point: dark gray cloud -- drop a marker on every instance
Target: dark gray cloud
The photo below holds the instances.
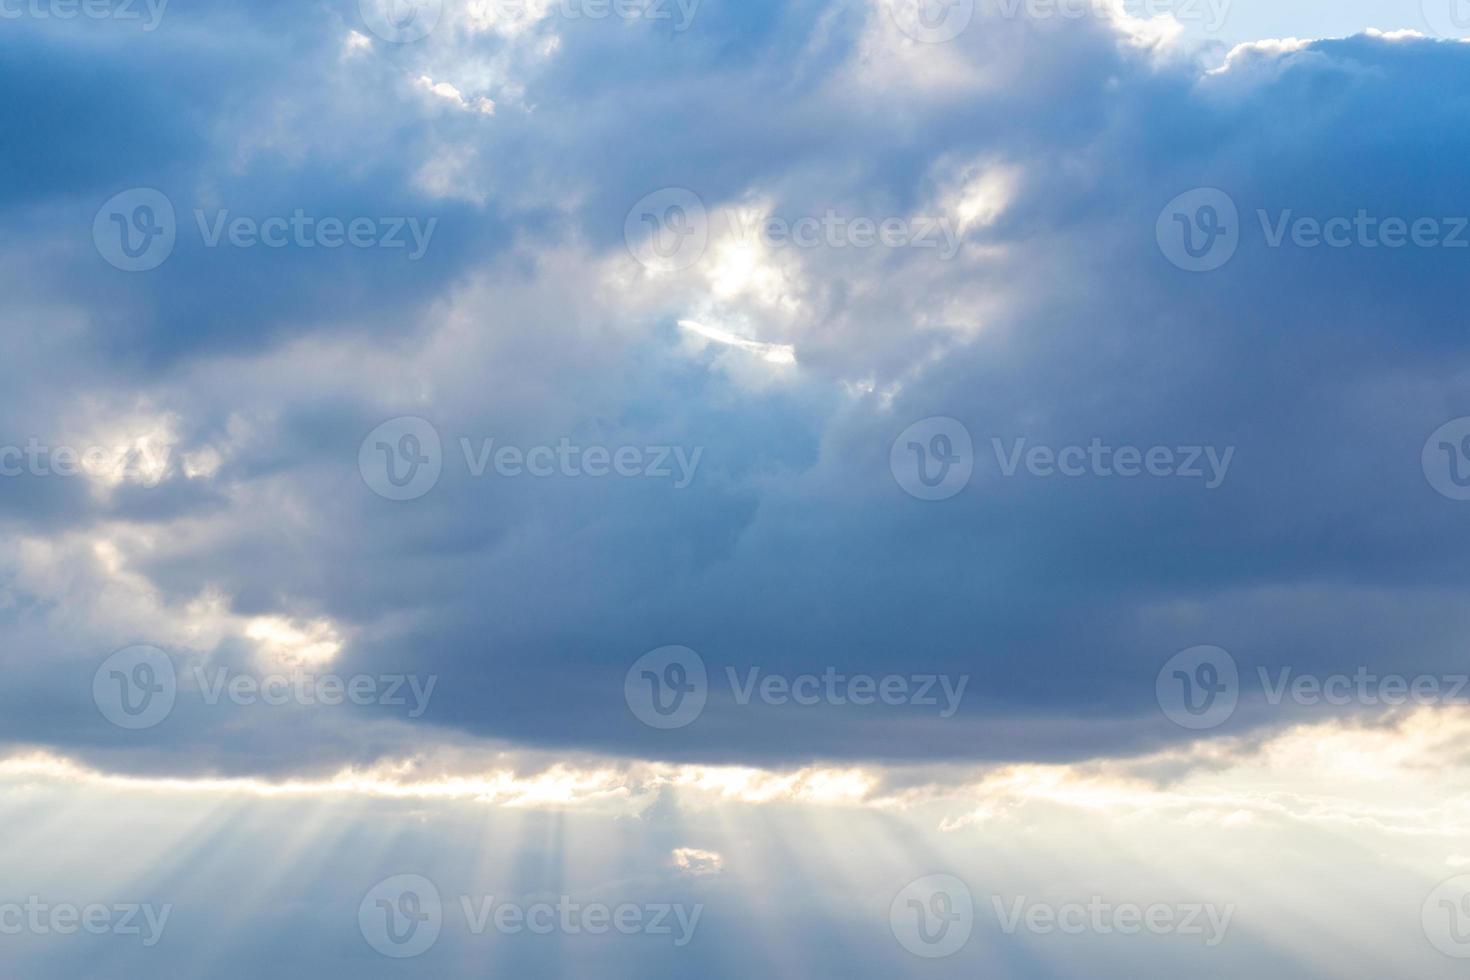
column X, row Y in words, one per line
column 794, row 549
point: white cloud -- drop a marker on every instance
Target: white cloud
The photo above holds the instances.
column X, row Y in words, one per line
column 698, row 863
column 285, row 643
column 452, row 95
column 772, row 353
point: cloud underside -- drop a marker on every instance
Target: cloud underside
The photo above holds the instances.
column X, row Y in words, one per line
column 1404, row 775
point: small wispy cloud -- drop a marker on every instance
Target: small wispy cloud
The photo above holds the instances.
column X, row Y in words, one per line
column 697, row 863
column 774, row 353
column 452, row 95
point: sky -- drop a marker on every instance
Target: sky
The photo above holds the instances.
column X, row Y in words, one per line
column 684, row 487
column 1241, row 21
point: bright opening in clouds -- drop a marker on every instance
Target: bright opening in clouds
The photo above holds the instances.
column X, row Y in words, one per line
column 627, row 488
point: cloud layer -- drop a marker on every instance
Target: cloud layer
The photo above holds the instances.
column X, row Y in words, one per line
column 886, row 231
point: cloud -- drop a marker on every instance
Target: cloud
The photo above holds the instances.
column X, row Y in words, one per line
column 774, row 353
column 697, row 863
column 1049, row 148
column 452, row 95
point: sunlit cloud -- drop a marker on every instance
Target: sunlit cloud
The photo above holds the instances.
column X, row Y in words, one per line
column 1406, row 776
column 285, row 643
column 773, row 353
column 452, row 95
column 698, row 863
